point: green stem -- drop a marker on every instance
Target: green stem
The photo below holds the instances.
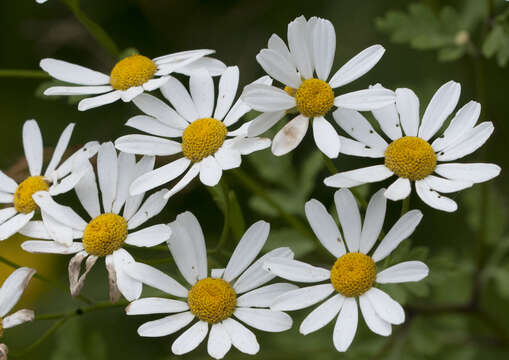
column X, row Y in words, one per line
column 93, row 28
column 226, row 225
column 20, row 73
column 405, row 205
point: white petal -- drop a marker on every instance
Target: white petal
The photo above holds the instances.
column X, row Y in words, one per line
column 434, row 199
column 356, row 148
column 177, row 94
column 322, row 315
column 35, row 229
column 14, row 224
column 62, row 144
column 403, row 272
column 126, row 172
column 13, row 288
column 107, row 170
column 375, row 323
column 100, row 100
column 7, row 184
column 190, row 339
column 155, row 306
column 6, row 198
column 264, row 122
column 264, row 98
column 32, row 144
column 85, row 152
column 365, row 100
column 155, row 278
column 133, row 203
column 445, row 185
column 159, row 176
column 18, row 318
column 219, row 342
column 249, row 145
column 476, row 172
column 152, row 106
column 131, row 93
column 294, row 270
column 201, row 86
column 388, row 309
column 228, row 158
column 326, row 137
column 388, row 119
column 154, row 204
column 64, row 71
column 442, row 104
column 77, row 90
column 356, row 125
column 147, row 145
column 299, row 46
column 398, row 190
column 403, row 228
column 277, row 44
column 357, row 66
column 264, row 296
column 153, row 84
column 151, row 236
column 256, row 275
column 77, row 281
column 213, row 66
column 182, row 56
column 50, row 247
column 264, row 319
column 349, row 217
column 324, row 47
column 346, row 325
column 247, row 249
column 7, row 213
column 210, row 171
column 62, row 234
column 358, row 177
column 407, row 104
column 129, row 287
column 302, row 298
column 194, row 170
column 290, row 136
column 475, row 138
column 242, row 338
column 87, row 192
column 165, row 326
column 373, row 221
column 277, row 66
column 324, row 227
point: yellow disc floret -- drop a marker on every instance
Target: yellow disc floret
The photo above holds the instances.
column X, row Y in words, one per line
column 132, row 71
column 23, row 201
column 353, row 274
column 410, row 157
column 212, row 300
column 202, row 138
column 105, row 234
column 314, row 98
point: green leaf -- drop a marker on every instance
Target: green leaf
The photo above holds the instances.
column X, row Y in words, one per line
column 291, row 238
column 497, row 44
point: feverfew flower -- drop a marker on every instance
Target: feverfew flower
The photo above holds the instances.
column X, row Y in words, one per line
column 411, row 155
column 57, row 179
column 205, row 145
column 213, row 300
column 130, row 76
column 10, row 293
column 108, row 230
column 312, row 45
column 354, row 274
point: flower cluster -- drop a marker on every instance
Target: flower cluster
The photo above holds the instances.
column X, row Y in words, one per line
column 115, row 182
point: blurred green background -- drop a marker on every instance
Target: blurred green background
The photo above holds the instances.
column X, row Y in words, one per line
column 458, row 312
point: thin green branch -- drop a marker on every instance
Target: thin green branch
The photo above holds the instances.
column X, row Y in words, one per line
column 226, row 225
column 405, row 205
column 20, row 73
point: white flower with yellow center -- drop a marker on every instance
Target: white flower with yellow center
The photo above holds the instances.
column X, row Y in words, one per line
column 213, row 300
column 205, row 145
column 353, row 276
column 57, row 179
column 105, row 234
column 10, row 292
column 312, row 45
column 411, row 155
column 129, row 78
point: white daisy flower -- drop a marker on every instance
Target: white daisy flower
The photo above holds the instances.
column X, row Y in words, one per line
column 130, row 77
column 57, row 179
column 10, row 293
column 213, row 300
column 411, row 155
column 205, row 145
column 354, row 274
column 108, row 230
column 312, row 45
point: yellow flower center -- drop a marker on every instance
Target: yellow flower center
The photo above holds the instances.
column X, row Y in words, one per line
column 410, row 157
column 314, row 97
column 353, row 274
column 23, row 201
column 212, row 300
column 104, row 234
column 132, row 71
column 202, row 138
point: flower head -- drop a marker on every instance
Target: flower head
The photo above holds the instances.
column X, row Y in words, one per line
column 411, row 154
column 354, row 274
